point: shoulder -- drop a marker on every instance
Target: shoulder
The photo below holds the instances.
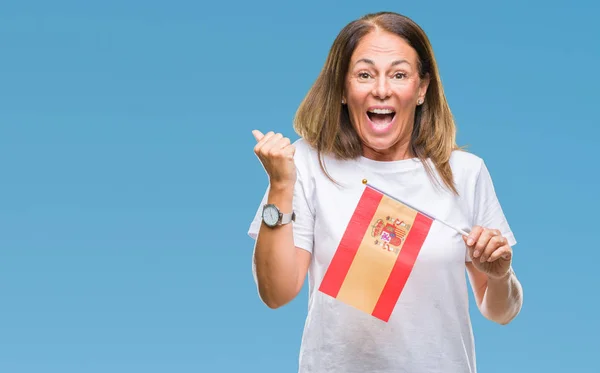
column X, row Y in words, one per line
column 303, row 148
column 322, row 168
column 464, row 163
column 305, row 154
column 467, row 169
column 471, row 174
column 306, row 158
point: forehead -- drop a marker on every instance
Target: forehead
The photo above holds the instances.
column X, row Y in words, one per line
column 384, row 47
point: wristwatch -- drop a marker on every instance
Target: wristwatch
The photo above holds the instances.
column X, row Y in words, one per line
column 273, row 217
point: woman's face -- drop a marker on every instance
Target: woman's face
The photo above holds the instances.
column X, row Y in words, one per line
column 382, row 91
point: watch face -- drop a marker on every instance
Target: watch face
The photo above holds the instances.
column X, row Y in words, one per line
column 270, row 215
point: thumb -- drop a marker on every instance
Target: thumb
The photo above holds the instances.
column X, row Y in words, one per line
column 257, row 135
column 469, row 248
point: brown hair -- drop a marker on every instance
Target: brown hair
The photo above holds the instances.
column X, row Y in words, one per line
column 324, row 122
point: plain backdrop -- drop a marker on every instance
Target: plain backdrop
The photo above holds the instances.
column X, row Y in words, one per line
column 128, row 181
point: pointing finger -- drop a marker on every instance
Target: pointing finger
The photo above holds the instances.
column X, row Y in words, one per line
column 257, row 135
column 263, row 140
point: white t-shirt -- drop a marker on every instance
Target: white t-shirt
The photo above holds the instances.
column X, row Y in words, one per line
column 429, row 329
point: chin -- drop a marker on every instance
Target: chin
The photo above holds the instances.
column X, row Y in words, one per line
column 382, row 147
column 387, row 147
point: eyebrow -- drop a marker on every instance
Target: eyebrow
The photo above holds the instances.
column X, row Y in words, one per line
column 370, row 62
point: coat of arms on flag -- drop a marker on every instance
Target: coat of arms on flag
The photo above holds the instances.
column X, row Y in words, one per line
column 376, row 254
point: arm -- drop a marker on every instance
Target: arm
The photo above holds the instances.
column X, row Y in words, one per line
column 498, row 299
column 280, row 267
column 497, row 290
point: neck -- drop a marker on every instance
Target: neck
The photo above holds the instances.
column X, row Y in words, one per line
column 397, row 152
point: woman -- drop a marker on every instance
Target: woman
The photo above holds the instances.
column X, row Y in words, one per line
column 378, row 112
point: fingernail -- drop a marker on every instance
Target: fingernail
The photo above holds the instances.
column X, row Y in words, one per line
column 489, row 259
column 482, row 260
column 476, row 254
column 470, row 241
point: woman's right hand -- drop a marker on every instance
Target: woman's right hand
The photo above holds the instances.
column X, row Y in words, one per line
column 276, row 153
column 280, row 268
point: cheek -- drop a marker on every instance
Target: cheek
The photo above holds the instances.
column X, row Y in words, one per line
column 358, row 95
column 356, row 103
column 407, row 92
column 356, row 115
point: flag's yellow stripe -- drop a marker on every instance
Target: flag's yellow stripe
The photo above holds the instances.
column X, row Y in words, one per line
column 372, row 264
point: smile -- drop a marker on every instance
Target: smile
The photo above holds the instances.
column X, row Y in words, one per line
column 381, row 118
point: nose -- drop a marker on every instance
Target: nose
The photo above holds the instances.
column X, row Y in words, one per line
column 381, row 89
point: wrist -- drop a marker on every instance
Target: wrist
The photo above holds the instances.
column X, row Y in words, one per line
column 282, row 187
column 281, row 195
column 502, row 278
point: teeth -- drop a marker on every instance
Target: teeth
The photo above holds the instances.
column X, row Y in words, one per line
column 381, row 111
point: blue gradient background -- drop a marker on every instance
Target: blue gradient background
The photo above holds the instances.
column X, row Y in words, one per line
column 128, row 179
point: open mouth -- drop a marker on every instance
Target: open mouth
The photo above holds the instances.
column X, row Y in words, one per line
column 381, row 118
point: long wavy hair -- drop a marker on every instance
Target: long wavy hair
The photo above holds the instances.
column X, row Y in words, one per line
column 324, row 122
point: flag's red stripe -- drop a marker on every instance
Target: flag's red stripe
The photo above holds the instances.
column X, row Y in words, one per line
column 350, row 242
column 402, row 268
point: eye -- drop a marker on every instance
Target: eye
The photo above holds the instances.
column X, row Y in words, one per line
column 364, row 75
column 399, row 76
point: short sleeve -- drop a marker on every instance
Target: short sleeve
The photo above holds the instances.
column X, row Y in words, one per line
column 487, row 211
column 303, row 227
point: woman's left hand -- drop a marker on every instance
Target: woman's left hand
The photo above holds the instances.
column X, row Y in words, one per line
column 489, row 251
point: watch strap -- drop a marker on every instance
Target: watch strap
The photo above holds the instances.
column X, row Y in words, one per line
column 287, row 218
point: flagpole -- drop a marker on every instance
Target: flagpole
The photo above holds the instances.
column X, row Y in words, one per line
column 461, row 231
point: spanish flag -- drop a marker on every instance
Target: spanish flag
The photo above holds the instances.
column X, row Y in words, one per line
column 376, row 253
